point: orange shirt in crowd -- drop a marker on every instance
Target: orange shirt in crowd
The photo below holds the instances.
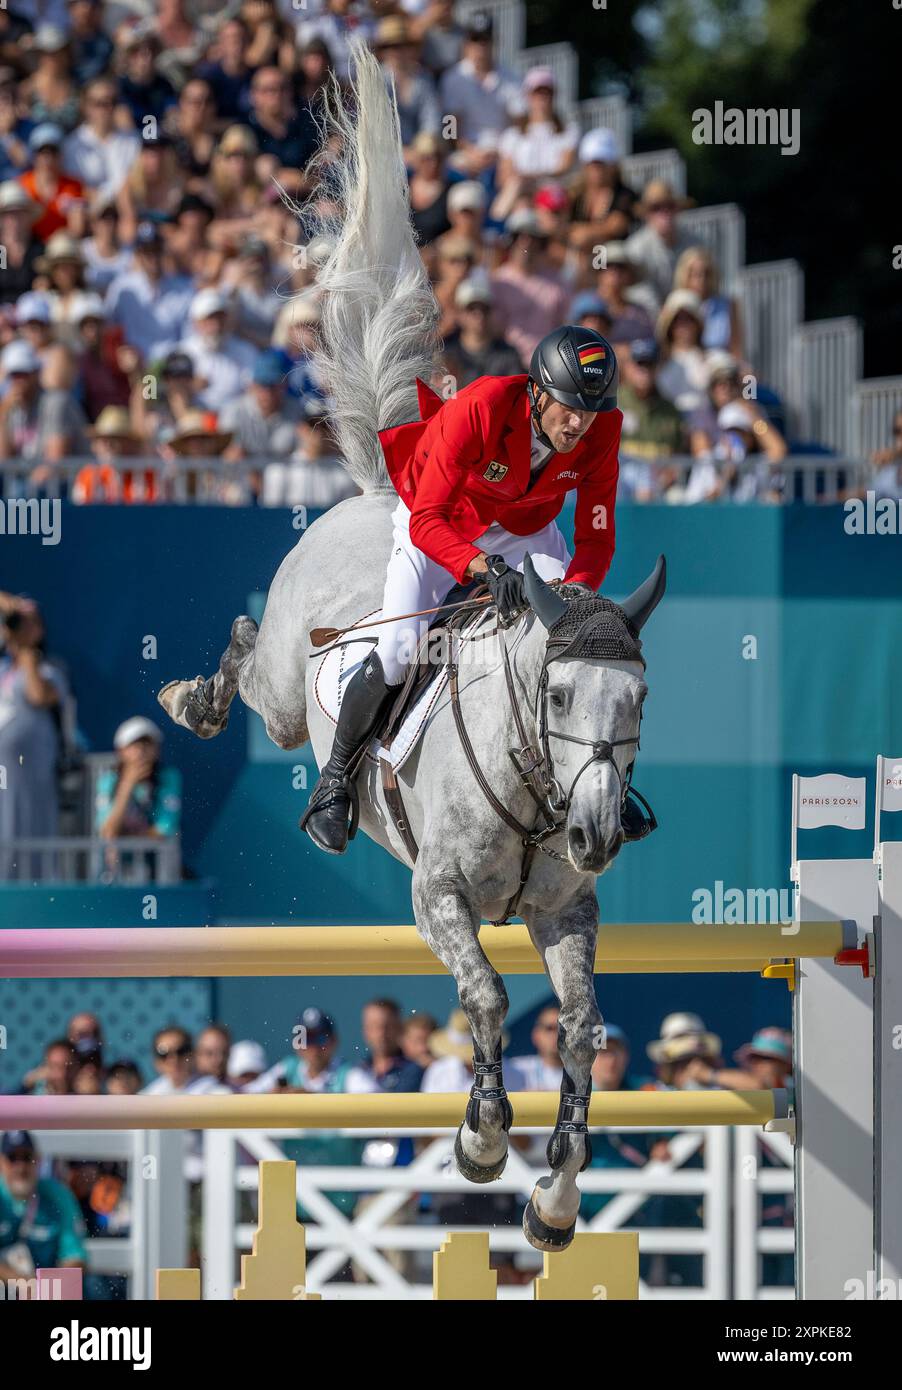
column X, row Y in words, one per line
column 99, row 482
column 52, row 219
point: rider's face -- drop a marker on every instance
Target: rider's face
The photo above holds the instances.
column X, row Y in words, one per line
column 564, row 426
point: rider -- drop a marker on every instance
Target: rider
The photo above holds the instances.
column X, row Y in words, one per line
column 481, row 478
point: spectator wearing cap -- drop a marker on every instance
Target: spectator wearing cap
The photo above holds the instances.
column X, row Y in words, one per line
column 653, row 430
column 339, row 21
column 529, row 297
column 474, row 349
column 538, row 144
column 313, row 477
column 34, row 321
column 765, row 1062
column 696, row 270
column 143, row 90
column 481, row 97
column 176, row 396
column 413, row 86
column 188, row 126
column 223, row 361
column 295, row 334
column 50, row 93
column 98, row 153
column 154, row 187
column 105, row 256
column 139, row 796
column 114, row 440
column 603, row 205
column 683, row 375
column 253, row 289
column 551, row 206
column 466, row 205
column 247, row 1062
column 616, row 277
column 590, row 311
column 228, row 72
column 428, row 187
column 40, row 1223
column 40, row 427
column 441, row 37
column 284, row 132
column 263, row 420
column 724, row 385
column 14, row 128
column 33, row 693
column 18, row 214
column 744, row 463
column 314, row 1064
column 91, row 46
column 657, row 246
column 150, row 305
column 456, row 260
column 59, row 197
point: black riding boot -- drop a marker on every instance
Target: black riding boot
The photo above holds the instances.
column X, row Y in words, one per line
column 334, row 798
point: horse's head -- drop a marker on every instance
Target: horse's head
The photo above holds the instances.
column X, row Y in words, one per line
column 589, row 706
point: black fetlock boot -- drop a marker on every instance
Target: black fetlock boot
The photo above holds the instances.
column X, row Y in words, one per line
column 331, row 815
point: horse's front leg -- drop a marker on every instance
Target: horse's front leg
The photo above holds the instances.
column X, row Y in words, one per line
column 449, row 924
column 566, row 943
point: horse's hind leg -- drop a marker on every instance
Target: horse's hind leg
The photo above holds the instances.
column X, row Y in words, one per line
column 203, row 705
column 566, row 941
column 449, row 924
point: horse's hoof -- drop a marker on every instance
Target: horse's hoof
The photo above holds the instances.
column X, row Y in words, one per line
column 540, row 1235
column 187, row 705
column 477, row 1172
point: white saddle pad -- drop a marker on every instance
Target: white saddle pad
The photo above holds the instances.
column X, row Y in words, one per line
column 338, row 665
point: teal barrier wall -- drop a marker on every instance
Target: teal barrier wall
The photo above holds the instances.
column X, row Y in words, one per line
column 776, row 650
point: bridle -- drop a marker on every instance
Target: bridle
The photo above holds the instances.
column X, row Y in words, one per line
column 557, row 800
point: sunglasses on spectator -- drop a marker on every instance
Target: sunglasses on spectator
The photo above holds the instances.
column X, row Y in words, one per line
column 21, row 1156
column 662, row 207
column 165, row 1052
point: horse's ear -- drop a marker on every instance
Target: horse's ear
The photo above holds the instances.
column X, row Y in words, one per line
column 544, row 602
column 641, row 604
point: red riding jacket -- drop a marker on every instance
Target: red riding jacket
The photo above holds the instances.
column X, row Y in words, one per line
column 465, row 464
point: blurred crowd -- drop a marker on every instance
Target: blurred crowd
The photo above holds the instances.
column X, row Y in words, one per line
column 394, row 1054
column 151, row 157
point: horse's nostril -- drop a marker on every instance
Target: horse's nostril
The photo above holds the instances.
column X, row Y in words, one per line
column 579, row 842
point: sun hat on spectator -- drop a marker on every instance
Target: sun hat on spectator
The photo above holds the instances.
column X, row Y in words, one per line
column 45, row 136
column 658, row 193
column 599, row 146
column 60, row 249
column 88, row 306
column 13, row 198
column 644, row 352
column 736, row 416
column 134, row 728
column 238, row 137
column 551, row 198
column 538, row 78
column 245, row 1057
column 208, row 302
column 48, row 38
column 19, row 359
column 33, row 307
column 473, row 290
column 523, row 222
column 269, row 369
column 466, row 196
column 113, row 422
column 588, row 303
column 195, row 424
column 679, row 1026
column 458, row 248
column 427, row 142
column 677, row 302
column 391, row 32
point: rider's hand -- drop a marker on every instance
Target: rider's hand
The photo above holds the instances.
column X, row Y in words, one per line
column 506, row 587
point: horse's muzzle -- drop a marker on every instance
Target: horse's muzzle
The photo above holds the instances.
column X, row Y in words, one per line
column 591, row 852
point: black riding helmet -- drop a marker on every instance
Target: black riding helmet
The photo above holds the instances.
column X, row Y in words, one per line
column 577, row 367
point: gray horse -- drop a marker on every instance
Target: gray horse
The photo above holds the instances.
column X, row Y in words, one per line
column 575, row 664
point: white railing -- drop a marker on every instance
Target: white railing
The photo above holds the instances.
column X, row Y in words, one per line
column 810, row 478
column 615, row 113
column 669, row 165
column 366, row 1237
column 720, row 227
column 772, row 296
column 91, row 859
column 825, row 358
column 874, row 404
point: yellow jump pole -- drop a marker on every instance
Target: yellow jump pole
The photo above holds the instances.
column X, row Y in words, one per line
column 72, row 953
column 532, row 1109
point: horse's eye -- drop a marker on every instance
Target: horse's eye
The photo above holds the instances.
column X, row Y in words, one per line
column 556, row 700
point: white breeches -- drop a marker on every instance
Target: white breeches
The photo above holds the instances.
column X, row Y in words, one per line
column 414, row 582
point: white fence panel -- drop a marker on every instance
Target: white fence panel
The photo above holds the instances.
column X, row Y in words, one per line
column 772, row 295
column 825, row 359
column 721, row 228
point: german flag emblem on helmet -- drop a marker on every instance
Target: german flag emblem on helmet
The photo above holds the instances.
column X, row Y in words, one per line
column 592, row 352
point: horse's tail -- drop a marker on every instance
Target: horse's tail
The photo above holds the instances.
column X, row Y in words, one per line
column 378, row 329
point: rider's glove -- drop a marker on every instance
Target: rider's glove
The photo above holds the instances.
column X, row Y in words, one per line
column 507, row 589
